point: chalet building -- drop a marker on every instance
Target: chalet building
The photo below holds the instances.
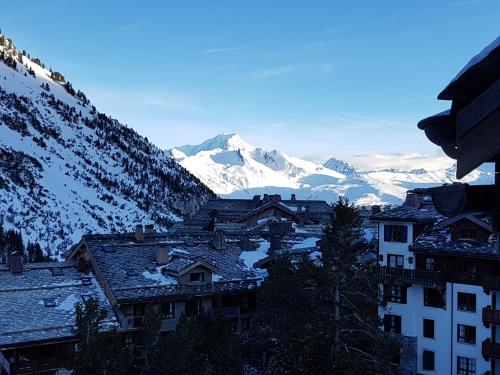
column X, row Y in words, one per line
column 37, row 314
column 441, row 276
column 183, row 271
column 249, row 213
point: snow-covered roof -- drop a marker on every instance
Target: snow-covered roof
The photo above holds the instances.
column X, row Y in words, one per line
column 478, row 64
column 408, row 214
column 438, row 240
column 39, row 304
column 478, row 58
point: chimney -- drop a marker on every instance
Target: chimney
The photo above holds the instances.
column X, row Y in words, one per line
column 275, row 198
column 411, row 199
column 293, row 198
column 139, row 234
column 265, row 199
column 149, row 228
column 256, row 200
column 16, row 262
column 162, row 254
column 219, row 241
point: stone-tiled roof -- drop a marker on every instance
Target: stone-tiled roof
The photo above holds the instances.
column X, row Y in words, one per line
column 131, row 272
column 438, row 240
column 24, row 317
column 232, row 209
column 425, row 214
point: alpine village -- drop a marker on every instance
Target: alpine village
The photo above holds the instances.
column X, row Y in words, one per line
column 124, row 262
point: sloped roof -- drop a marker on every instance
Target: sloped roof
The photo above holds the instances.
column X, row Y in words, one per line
column 427, row 214
column 131, row 273
column 25, row 319
column 232, row 209
column 479, row 218
column 438, row 240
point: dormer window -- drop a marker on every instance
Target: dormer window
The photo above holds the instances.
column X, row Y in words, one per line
column 395, row 233
column 196, row 276
column 469, row 234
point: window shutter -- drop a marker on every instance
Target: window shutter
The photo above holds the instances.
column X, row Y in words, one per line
column 387, row 232
column 405, row 233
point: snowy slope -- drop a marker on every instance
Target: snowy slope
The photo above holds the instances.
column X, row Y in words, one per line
column 232, row 167
column 66, row 169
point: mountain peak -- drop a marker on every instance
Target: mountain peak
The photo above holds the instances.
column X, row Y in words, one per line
column 226, row 141
column 341, row 167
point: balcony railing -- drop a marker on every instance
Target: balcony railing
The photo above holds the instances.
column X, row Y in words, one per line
column 490, row 349
column 491, row 282
column 491, row 316
column 407, row 276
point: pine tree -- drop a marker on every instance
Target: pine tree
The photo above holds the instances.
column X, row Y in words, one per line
column 323, row 318
column 97, row 352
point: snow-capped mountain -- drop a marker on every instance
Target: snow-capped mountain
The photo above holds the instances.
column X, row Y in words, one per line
column 66, row 169
column 234, row 168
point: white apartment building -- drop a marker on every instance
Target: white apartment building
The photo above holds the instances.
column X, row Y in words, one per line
column 441, row 282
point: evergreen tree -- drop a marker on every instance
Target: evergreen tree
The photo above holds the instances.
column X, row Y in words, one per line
column 98, row 352
column 201, row 344
column 323, row 318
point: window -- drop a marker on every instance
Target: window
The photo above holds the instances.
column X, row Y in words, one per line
column 433, row 298
column 466, row 334
column 168, row 310
column 395, row 261
column 467, row 234
column 466, row 302
column 466, row 366
column 396, row 293
column 197, row 276
column 392, row 323
column 429, row 328
column 49, row 302
column 193, row 307
column 395, row 233
column 428, row 360
column 57, row 272
column 430, row 264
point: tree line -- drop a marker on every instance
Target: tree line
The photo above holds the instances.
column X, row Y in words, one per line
column 11, row 241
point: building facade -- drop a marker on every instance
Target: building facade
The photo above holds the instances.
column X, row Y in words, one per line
column 440, row 285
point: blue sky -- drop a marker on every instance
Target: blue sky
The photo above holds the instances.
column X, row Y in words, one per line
column 313, row 78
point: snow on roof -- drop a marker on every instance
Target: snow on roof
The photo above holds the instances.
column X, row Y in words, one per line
column 477, row 59
column 26, row 315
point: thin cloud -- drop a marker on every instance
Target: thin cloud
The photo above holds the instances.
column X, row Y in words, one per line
column 277, row 71
column 223, row 49
column 469, row 2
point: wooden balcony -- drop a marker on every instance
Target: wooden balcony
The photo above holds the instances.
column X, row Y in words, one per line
column 491, row 282
column 490, row 349
column 407, row 276
column 491, row 316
